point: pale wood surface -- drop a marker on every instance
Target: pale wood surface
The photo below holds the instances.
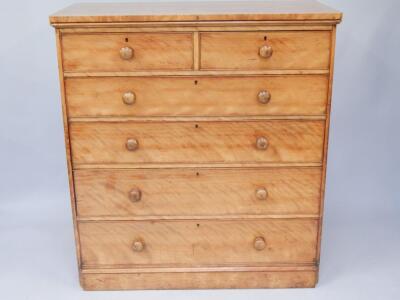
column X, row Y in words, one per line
column 205, row 280
column 196, row 11
column 196, row 73
column 326, row 140
column 197, row 96
column 204, row 242
column 201, row 142
column 197, row 192
column 239, row 50
column 152, row 51
column 129, row 166
column 68, row 146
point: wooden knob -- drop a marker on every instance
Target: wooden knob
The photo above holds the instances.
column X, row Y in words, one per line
column 129, row 98
column 264, row 96
column 138, row 246
column 132, row 144
column 262, row 143
column 135, row 195
column 126, row 53
column 261, row 193
column 265, row 51
column 259, row 243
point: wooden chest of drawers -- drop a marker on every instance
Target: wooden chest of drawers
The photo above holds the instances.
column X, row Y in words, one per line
column 196, row 137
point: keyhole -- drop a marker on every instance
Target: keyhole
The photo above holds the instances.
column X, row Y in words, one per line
column 195, row 82
column 198, row 225
column 196, row 126
column 265, row 38
column 197, row 173
column 126, row 39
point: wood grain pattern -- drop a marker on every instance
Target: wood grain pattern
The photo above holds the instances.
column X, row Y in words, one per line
column 190, row 243
column 197, row 96
column 197, row 192
column 196, row 11
column 199, row 280
column 196, row 204
column 68, row 146
column 240, row 50
column 152, row 51
column 326, row 139
column 200, row 142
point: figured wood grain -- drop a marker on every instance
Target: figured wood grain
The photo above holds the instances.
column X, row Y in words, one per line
column 152, row 51
column 190, row 243
column 197, row 192
column 326, row 139
column 196, row 73
column 68, row 147
column 193, row 26
column 194, row 165
column 197, row 96
column 199, row 280
column 240, row 50
column 200, row 142
column 197, row 159
column 196, row 11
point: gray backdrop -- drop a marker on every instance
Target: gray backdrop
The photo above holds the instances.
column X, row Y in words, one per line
column 361, row 239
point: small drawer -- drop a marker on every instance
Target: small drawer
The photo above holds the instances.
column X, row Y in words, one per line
column 127, row 52
column 205, row 242
column 197, row 96
column 197, row 142
column 279, row 50
column 197, row 192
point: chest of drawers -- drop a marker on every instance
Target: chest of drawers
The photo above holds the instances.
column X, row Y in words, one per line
column 196, row 137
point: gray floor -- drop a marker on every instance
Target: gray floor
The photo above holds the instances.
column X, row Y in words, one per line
column 360, row 260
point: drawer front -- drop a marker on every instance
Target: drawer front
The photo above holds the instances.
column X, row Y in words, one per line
column 201, row 96
column 151, row 51
column 241, row 50
column 199, row 192
column 200, row 142
column 198, row 242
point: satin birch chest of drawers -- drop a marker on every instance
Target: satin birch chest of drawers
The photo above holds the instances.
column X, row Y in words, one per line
column 196, row 137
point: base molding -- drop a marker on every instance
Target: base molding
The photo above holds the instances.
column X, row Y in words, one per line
column 199, row 280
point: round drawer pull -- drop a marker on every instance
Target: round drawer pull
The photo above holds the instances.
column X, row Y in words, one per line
column 259, row 243
column 129, row 98
column 265, row 51
column 262, row 143
column 264, row 97
column 261, row 193
column 126, row 53
column 138, row 246
column 132, row 144
column 135, row 195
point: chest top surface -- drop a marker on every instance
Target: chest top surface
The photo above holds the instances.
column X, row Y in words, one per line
column 284, row 10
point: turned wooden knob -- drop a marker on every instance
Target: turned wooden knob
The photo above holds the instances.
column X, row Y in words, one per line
column 138, row 246
column 261, row 193
column 135, row 195
column 129, row 98
column 259, row 243
column 265, row 51
column 262, row 143
column 264, row 96
column 126, row 53
column 132, row 144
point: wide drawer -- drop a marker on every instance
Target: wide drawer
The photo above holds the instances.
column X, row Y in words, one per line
column 197, row 192
column 302, row 50
column 197, row 96
column 197, row 142
column 198, row 242
column 150, row 51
